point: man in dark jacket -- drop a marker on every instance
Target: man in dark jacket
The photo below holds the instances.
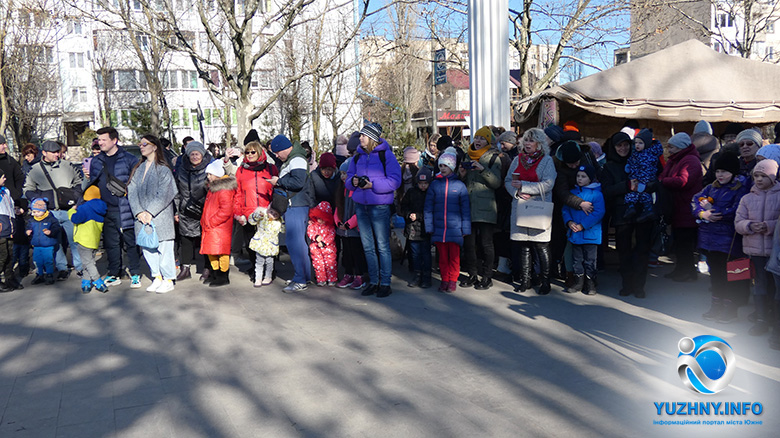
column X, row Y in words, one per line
column 114, row 163
column 14, row 177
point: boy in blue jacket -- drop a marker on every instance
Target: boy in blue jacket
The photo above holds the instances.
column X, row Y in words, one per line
column 44, row 231
column 88, row 218
column 585, row 230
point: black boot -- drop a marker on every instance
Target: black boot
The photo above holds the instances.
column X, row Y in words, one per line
column 206, row 276
column 579, row 284
column 543, row 252
column 425, row 280
column 716, row 308
column 762, row 322
column 590, row 286
column 526, row 265
column 485, row 284
column 729, row 313
column 469, row 281
column 415, row 281
column 184, row 273
column 774, row 339
column 220, row 278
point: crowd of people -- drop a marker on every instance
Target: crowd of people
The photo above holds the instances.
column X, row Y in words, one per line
column 534, row 207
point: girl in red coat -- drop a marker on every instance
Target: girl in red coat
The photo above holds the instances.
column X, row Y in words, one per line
column 322, row 234
column 217, row 222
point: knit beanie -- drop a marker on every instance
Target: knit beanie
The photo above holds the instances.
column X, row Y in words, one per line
column 554, row 132
column 770, row 151
column 569, row 152
column 443, row 142
column 424, row 174
column 327, row 160
column 411, row 155
column 728, row 162
column 92, row 192
column 589, row 170
column 646, row 135
column 195, row 146
column 216, row 168
column 45, row 203
column 250, row 137
column 280, row 143
column 449, row 158
column 508, row 137
column 767, row 167
column 486, row 133
column 596, row 149
column 750, row 134
column 680, row 140
column 345, row 165
column 354, row 142
column 372, row 131
column 702, row 126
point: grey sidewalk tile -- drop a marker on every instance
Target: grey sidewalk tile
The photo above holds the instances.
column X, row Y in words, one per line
column 144, row 422
column 84, row 406
column 38, row 428
column 31, row 408
column 93, row 429
column 139, row 397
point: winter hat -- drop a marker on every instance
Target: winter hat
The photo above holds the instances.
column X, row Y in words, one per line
column 21, row 203
column 569, row 152
column 486, row 133
column 630, row 132
column 280, row 143
column 443, row 142
column 45, row 202
column 411, row 155
column 589, row 170
column 341, row 146
column 92, row 192
column 449, row 158
column 507, row 136
column 328, row 160
column 680, row 140
column 733, row 128
column 750, row 134
column 345, row 165
column 215, row 168
column 646, row 135
column 554, row 132
column 354, row 142
column 571, row 126
column 425, row 174
column 251, row 136
column 596, row 149
column 322, row 211
column 50, row 146
column 767, row 167
column 770, row 151
column 195, row 146
column 372, row 131
column 728, row 162
column 702, row 126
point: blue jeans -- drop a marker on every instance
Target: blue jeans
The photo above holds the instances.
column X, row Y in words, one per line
column 295, row 221
column 44, row 259
column 374, row 223
column 161, row 261
column 764, row 281
column 584, row 259
column 67, row 227
column 421, row 256
column 22, row 256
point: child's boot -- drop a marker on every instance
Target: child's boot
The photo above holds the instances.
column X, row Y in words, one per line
column 590, row 286
column 220, row 278
column 86, row 286
column 39, row 279
column 49, row 278
column 578, row 284
column 425, row 280
column 415, row 281
column 100, row 285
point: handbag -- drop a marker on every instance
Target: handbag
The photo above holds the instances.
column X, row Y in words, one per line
column 741, row 268
column 534, row 214
column 147, row 237
column 193, row 209
column 64, row 197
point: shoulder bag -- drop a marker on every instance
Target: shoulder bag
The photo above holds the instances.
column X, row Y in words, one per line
column 64, row 197
column 534, row 214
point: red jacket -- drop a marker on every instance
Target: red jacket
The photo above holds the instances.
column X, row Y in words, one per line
column 253, row 189
column 682, row 178
column 217, row 219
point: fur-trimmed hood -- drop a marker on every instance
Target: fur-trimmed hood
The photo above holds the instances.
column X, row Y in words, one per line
column 224, row 183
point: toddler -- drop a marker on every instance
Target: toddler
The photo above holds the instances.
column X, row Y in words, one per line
column 413, row 210
column 44, row 231
column 265, row 243
column 322, row 235
column 584, row 230
column 88, row 218
column 448, row 218
column 642, row 168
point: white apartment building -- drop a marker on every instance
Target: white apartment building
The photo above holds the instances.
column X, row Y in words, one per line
column 94, row 64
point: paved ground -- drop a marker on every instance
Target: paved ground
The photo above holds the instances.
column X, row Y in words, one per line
column 245, row 362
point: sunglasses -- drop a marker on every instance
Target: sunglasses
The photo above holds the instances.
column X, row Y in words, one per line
column 250, row 152
column 746, row 143
column 144, row 143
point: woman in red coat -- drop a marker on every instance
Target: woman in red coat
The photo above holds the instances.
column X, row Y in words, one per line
column 682, row 179
column 217, row 222
column 253, row 191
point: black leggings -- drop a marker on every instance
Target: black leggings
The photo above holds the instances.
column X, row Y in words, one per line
column 478, row 250
column 189, row 252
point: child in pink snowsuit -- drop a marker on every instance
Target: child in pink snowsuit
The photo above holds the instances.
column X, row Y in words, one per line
column 322, row 234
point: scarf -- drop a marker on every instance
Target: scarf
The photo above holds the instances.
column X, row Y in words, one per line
column 529, row 160
column 40, row 218
column 476, row 154
column 256, row 166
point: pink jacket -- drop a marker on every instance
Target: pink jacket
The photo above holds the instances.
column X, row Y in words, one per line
column 758, row 206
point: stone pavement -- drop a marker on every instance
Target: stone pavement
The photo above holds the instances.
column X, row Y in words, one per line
column 244, row 362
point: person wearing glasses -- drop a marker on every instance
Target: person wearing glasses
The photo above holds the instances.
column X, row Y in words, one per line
column 62, row 175
column 253, row 191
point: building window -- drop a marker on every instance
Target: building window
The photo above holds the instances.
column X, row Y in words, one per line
column 74, row 26
column 770, row 27
column 725, row 20
column 78, row 94
column 126, row 79
column 770, row 52
column 143, row 42
column 76, row 60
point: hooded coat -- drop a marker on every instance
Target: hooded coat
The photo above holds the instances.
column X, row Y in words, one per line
column 681, row 177
column 385, row 179
column 447, row 210
column 191, row 182
column 756, row 207
column 719, row 235
column 217, row 220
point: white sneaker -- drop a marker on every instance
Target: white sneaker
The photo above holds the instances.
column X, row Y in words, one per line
column 165, row 287
column 155, row 284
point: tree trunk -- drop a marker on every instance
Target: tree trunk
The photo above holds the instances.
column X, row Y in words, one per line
column 315, row 111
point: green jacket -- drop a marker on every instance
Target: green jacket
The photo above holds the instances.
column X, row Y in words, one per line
column 482, row 186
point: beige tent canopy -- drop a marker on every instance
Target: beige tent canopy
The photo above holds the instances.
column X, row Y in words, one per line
column 686, row 82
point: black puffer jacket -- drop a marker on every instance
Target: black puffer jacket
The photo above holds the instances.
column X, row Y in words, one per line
column 615, row 184
column 414, row 202
column 191, row 181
